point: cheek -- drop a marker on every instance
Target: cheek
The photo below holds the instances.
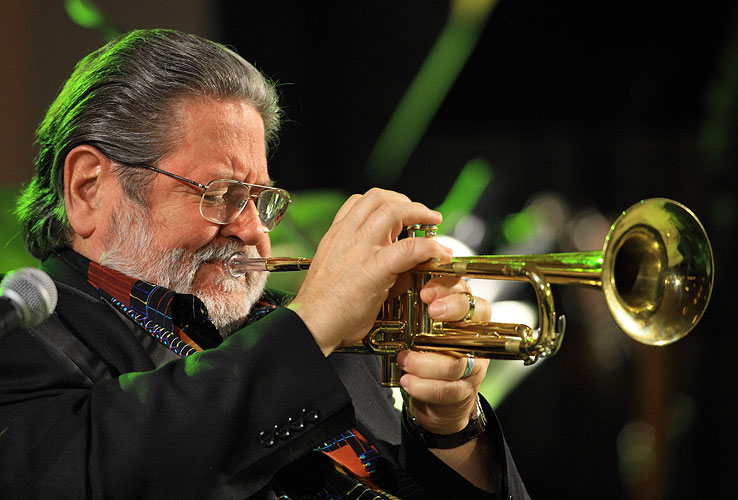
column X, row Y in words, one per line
column 186, row 231
column 265, row 247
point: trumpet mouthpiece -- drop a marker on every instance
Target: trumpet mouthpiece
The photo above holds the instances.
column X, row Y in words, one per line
column 239, row 264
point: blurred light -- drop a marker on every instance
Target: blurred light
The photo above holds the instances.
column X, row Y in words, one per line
column 537, row 227
column 550, row 209
column 682, row 416
column 588, row 231
column 471, row 230
column 397, row 398
column 724, row 211
column 84, row 13
column 471, row 8
column 503, row 376
column 459, row 248
column 514, row 311
column 636, row 453
column 518, row 227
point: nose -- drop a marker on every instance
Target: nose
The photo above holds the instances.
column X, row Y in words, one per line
column 247, row 227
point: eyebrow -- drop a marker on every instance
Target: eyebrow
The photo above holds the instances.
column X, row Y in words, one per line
column 269, row 183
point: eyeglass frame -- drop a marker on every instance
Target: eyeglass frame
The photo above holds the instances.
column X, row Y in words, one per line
column 205, row 187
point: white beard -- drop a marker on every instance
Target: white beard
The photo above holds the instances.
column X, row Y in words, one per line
column 131, row 251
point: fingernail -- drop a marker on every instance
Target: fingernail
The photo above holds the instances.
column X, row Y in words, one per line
column 401, row 361
column 437, row 308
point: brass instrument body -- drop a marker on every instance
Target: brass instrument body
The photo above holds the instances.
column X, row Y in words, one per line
column 655, row 270
column 404, row 324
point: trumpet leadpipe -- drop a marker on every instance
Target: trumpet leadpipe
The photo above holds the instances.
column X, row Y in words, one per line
column 558, row 268
column 239, row 264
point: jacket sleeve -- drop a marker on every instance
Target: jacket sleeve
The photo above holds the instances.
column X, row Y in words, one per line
column 433, row 476
column 442, row 482
column 216, row 424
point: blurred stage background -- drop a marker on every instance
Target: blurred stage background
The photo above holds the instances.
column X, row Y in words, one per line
column 531, row 124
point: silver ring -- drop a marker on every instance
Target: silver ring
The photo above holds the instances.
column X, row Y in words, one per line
column 469, row 365
column 470, row 298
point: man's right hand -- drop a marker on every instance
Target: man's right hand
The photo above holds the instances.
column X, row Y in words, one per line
column 359, row 261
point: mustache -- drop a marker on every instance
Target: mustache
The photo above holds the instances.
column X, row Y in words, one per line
column 184, row 265
column 215, row 252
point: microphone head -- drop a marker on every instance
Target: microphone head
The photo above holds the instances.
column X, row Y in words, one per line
column 33, row 291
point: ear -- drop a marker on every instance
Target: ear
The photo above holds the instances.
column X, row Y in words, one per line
column 86, row 177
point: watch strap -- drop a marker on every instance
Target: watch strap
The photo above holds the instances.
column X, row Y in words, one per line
column 476, row 426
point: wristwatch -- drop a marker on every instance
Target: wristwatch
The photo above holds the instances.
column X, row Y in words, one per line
column 476, row 426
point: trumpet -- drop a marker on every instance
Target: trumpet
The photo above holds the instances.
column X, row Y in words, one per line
column 655, row 271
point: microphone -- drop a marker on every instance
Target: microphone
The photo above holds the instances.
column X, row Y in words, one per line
column 27, row 297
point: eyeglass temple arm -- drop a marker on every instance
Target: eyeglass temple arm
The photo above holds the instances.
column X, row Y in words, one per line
column 188, row 181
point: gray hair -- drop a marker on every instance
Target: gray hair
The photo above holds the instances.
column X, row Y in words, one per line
column 121, row 99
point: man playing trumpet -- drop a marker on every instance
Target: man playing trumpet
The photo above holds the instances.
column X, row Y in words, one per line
column 161, row 375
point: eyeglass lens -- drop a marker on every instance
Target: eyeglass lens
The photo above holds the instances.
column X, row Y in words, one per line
column 223, row 201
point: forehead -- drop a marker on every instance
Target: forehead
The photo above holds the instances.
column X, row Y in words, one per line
column 219, row 137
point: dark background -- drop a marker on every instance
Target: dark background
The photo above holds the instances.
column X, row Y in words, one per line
column 602, row 104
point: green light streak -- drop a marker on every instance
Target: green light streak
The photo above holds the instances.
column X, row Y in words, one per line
column 501, row 380
column 428, row 90
column 84, row 13
column 465, row 193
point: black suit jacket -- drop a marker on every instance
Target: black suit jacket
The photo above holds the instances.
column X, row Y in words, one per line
column 91, row 406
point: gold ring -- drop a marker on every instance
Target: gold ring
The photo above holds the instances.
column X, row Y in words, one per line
column 469, row 315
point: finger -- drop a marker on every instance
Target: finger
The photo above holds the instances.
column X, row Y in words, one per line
column 456, row 308
column 442, row 287
column 405, row 254
column 442, row 365
column 346, row 207
column 434, row 365
column 363, row 205
column 378, row 207
column 403, row 283
column 399, row 215
column 437, row 392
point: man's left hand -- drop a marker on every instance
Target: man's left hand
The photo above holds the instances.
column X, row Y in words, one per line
column 441, row 400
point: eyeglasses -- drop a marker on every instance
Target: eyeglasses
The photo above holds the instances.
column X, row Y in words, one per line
column 224, row 199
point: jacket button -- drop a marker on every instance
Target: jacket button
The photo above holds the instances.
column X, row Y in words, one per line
column 296, row 423
column 311, row 415
column 267, row 439
column 283, row 432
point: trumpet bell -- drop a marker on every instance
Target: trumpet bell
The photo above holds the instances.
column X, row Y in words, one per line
column 657, row 271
